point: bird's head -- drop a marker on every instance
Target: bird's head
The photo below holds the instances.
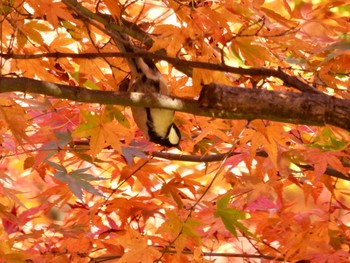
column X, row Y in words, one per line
column 172, row 138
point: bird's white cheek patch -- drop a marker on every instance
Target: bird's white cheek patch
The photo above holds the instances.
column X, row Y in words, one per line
column 173, row 136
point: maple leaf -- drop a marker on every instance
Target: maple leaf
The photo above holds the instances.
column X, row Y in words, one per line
column 230, row 216
column 76, row 180
column 172, row 226
column 49, row 149
column 10, row 221
column 169, row 37
column 61, row 42
column 328, row 141
column 338, row 256
column 180, row 230
column 138, row 248
column 63, row 138
column 15, row 118
column 10, row 254
column 53, row 11
column 113, row 8
column 129, row 153
column 127, row 208
column 151, row 194
column 71, row 244
column 31, row 29
column 9, row 192
column 173, row 187
column 248, row 50
column 103, row 130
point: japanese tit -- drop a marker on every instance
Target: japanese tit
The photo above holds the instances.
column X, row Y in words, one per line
column 157, row 124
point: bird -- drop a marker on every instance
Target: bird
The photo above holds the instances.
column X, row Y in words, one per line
column 157, row 124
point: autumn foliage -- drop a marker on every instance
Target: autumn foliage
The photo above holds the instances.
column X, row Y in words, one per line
column 80, row 183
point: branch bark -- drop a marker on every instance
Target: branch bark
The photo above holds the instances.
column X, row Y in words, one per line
column 217, row 101
column 291, row 107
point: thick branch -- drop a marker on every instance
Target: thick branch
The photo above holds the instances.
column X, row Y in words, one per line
column 215, row 101
column 80, row 94
column 300, row 108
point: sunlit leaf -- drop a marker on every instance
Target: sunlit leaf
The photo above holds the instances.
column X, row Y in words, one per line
column 79, row 182
column 231, row 217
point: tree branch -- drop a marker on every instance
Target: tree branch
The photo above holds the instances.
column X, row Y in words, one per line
column 291, row 107
column 217, row 101
column 217, row 158
column 291, row 81
column 205, row 254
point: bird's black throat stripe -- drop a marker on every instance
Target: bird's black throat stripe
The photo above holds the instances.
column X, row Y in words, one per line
column 153, row 136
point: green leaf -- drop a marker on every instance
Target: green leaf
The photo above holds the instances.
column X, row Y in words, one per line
column 112, row 112
column 86, row 128
column 190, row 229
column 120, row 117
column 328, row 141
column 89, row 84
column 230, row 216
